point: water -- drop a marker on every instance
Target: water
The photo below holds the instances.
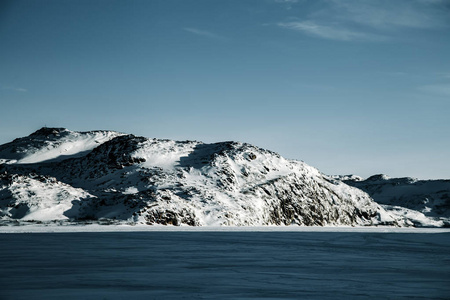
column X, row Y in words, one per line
column 227, row 265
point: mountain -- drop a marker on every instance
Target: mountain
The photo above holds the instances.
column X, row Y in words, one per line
column 58, row 174
column 420, row 202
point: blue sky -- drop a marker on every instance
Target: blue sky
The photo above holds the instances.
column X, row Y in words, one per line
column 350, row 87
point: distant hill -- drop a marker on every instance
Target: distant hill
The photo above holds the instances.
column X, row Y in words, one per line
column 418, row 201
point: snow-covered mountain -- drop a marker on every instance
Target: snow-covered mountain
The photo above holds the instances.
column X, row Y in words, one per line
column 422, row 202
column 57, row 174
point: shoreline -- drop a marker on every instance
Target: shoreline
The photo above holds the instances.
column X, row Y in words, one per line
column 157, row 228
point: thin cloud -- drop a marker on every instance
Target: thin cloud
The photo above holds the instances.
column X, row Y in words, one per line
column 365, row 20
column 204, row 33
column 15, row 89
column 390, row 14
column 328, row 32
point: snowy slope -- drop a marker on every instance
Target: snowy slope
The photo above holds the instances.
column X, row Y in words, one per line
column 422, row 202
column 52, row 144
column 152, row 181
column 37, row 197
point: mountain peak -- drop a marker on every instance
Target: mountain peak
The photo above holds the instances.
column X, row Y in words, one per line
column 49, row 143
column 46, row 131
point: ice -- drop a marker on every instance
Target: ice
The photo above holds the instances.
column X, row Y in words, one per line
column 225, row 265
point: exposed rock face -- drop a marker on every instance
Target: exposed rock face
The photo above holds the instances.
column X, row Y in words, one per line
column 169, row 182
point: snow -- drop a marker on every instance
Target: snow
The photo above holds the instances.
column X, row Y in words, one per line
column 42, row 198
column 163, row 153
column 49, row 144
column 225, row 265
column 148, row 181
column 96, row 227
column 244, row 196
column 130, row 190
column 415, row 217
column 418, row 202
column 75, row 143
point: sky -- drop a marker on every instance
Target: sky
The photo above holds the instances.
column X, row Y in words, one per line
column 350, row 87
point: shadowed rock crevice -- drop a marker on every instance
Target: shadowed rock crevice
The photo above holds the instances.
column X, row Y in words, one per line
column 204, row 154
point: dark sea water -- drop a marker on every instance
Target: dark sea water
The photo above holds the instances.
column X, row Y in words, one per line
column 225, row 265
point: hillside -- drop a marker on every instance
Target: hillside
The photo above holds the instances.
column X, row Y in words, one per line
column 57, row 174
column 422, row 202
